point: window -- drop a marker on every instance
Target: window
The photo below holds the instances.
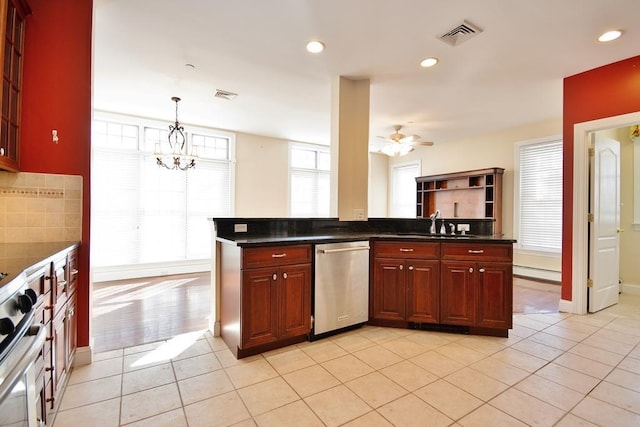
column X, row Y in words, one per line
column 142, row 213
column 309, row 180
column 403, row 189
column 538, row 195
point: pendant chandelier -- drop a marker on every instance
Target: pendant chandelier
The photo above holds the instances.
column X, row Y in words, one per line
column 177, row 158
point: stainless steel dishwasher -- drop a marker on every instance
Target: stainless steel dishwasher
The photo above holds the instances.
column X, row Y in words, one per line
column 341, row 297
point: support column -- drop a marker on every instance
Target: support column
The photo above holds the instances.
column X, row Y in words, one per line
column 349, row 148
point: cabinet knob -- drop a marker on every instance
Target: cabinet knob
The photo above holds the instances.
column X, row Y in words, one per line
column 49, row 369
column 74, row 271
column 481, row 270
column 278, row 255
column 411, row 267
column 406, row 249
column 62, row 283
column 275, row 276
column 470, row 269
column 401, row 267
column 479, row 251
column 48, row 339
column 284, row 275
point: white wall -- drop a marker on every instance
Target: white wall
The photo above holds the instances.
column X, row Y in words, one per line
column 485, row 151
column 378, row 185
column 262, row 176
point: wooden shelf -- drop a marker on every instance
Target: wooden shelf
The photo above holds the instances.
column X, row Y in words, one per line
column 455, row 195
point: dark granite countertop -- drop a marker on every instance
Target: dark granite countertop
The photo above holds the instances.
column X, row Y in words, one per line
column 285, row 239
column 18, row 260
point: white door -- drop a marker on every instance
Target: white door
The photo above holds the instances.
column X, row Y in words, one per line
column 604, row 241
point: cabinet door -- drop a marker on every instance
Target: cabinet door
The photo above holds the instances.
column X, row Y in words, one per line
column 295, row 300
column 12, row 24
column 423, row 291
column 495, row 295
column 59, row 353
column 259, row 310
column 389, row 295
column 457, row 302
column 72, row 329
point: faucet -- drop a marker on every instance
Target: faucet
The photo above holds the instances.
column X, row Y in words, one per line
column 433, row 218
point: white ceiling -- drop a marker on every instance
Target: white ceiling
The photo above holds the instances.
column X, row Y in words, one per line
column 509, row 75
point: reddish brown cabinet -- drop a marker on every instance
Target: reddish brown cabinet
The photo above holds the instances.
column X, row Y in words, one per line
column 405, row 283
column 265, row 297
column 477, row 285
column 55, row 283
column 450, row 283
column 13, row 14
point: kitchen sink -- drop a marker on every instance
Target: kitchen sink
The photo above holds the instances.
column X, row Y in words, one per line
column 436, row 236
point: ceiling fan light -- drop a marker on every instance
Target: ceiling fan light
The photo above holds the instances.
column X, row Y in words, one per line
column 395, row 150
column 429, row 62
column 609, row 36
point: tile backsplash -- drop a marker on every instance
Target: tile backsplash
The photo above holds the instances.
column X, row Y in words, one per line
column 40, row 207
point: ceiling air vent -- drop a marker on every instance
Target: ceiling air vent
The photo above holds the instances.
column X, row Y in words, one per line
column 461, row 33
column 225, row 94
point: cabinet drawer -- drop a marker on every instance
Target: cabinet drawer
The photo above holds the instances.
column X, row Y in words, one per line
column 477, row 251
column 406, row 250
column 276, row 255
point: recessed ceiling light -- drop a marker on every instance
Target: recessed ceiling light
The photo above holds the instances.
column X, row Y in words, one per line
column 315, row 46
column 429, row 62
column 609, row 36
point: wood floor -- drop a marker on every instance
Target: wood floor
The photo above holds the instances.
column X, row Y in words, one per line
column 138, row 311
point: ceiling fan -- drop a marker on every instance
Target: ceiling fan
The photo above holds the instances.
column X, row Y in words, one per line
column 399, row 144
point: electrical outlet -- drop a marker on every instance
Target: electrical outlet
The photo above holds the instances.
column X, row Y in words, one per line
column 240, row 228
column 358, row 214
column 463, row 227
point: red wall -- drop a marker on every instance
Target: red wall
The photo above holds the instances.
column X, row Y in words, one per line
column 57, row 95
column 608, row 91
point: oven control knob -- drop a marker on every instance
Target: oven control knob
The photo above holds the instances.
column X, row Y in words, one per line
column 24, row 304
column 33, row 296
column 6, row 326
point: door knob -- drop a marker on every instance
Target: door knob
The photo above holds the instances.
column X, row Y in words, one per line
column 619, row 230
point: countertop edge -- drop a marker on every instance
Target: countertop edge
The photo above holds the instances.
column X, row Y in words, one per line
column 351, row 237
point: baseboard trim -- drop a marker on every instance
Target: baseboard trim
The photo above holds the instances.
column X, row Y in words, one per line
column 83, row 356
column 103, row 274
column 565, row 306
column 537, row 273
column 630, row 288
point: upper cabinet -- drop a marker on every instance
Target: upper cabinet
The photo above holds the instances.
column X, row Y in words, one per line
column 12, row 26
column 473, row 194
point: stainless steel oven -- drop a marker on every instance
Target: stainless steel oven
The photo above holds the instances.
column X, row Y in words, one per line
column 21, row 344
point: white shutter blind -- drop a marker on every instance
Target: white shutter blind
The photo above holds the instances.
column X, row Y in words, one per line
column 403, row 187
column 309, row 181
column 142, row 213
column 540, row 196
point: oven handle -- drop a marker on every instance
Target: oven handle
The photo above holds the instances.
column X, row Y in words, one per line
column 35, row 335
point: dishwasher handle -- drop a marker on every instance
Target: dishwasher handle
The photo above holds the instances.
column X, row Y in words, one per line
column 336, row 250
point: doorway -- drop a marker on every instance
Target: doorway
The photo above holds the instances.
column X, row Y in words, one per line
column 580, row 251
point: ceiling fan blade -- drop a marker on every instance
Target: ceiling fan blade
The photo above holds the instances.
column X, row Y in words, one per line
column 423, row 143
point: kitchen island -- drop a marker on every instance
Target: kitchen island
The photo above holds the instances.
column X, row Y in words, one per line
column 264, row 277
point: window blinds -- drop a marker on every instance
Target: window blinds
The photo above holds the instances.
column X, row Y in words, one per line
column 540, row 196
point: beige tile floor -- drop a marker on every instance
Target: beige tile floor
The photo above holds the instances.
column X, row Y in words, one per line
column 554, row 369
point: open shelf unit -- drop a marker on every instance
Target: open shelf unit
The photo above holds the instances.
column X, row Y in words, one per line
column 469, row 194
